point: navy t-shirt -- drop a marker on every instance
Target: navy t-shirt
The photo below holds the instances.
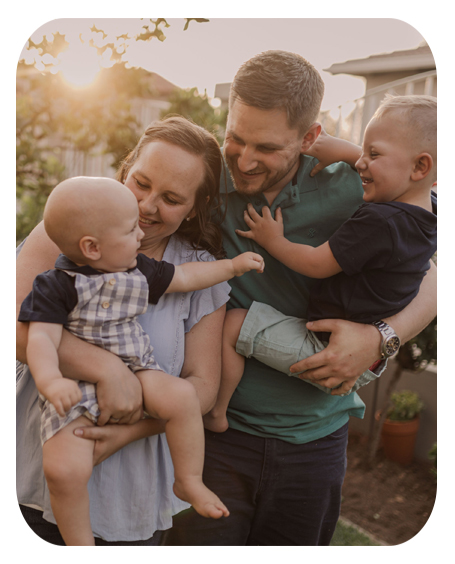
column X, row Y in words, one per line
column 384, row 250
column 54, row 295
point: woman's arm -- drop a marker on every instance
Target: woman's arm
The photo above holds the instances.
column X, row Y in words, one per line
column 354, row 347
column 202, row 366
column 119, row 391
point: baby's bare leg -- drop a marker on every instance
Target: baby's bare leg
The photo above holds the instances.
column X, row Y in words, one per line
column 233, row 365
column 68, row 465
column 175, row 401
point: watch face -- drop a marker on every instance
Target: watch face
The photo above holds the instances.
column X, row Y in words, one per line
column 392, row 345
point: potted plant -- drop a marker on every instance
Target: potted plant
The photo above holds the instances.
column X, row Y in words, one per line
column 415, row 355
column 400, row 426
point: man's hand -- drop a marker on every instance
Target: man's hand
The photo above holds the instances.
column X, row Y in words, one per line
column 265, row 230
column 62, row 393
column 246, row 262
column 352, row 349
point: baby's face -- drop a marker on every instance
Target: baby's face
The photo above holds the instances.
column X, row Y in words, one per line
column 120, row 243
column 386, row 163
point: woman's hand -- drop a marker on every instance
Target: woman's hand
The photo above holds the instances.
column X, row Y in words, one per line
column 119, row 394
column 352, row 349
column 111, row 438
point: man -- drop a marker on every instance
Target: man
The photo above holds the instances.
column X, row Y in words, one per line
column 280, row 466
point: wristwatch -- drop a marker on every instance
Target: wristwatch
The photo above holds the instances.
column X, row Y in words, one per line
column 390, row 340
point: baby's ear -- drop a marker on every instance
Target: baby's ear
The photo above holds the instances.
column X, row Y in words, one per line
column 423, row 165
column 90, row 247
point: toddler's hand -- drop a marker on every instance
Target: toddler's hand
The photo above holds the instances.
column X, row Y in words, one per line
column 246, row 262
column 264, row 230
column 63, row 394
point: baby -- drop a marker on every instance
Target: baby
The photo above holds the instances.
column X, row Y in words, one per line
column 99, row 286
column 369, row 269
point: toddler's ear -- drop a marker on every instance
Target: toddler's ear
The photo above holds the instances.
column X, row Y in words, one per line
column 423, row 165
column 90, row 247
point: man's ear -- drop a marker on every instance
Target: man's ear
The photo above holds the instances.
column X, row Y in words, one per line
column 90, row 247
column 423, row 164
column 310, row 136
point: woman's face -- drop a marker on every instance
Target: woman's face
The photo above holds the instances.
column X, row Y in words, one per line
column 164, row 179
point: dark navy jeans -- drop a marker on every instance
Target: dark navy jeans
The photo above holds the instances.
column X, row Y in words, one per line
column 278, row 493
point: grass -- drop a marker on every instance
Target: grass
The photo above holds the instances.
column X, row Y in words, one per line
column 348, row 535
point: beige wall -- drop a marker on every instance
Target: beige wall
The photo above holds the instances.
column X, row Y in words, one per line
column 424, row 383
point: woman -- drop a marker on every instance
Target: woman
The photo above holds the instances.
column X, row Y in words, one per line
column 174, row 173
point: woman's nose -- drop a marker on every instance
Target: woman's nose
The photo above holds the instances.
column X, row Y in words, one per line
column 148, row 205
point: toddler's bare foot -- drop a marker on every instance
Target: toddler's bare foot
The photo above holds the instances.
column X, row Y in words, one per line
column 204, row 501
column 216, row 422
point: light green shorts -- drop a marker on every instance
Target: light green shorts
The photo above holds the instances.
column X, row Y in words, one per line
column 279, row 341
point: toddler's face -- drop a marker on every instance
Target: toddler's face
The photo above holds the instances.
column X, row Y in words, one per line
column 120, row 243
column 386, row 163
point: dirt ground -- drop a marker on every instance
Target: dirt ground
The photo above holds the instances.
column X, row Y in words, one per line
column 390, row 501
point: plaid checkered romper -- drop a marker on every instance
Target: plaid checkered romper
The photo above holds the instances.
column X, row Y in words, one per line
column 108, row 305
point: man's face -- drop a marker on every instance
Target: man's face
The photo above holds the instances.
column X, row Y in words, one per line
column 261, row 150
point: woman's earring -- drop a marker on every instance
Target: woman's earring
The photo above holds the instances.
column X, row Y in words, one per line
column 188, row 218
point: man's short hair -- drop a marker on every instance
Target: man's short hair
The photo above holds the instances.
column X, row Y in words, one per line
column 280, row 80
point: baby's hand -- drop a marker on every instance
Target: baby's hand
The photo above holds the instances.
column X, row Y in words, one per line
column 263, row 229
column 63, row 394
column 328, row 150
column 246, row 262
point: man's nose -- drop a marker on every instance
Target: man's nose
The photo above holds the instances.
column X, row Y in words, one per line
column 247, row 159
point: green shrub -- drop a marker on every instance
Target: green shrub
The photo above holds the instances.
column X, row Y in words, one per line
column 406, row 405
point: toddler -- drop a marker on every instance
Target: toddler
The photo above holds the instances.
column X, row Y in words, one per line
column 99, row 286
column 369, row 269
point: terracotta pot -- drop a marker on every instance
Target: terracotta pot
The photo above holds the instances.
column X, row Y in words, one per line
column 398, row 439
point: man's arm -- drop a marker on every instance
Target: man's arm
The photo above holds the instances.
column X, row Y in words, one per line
column 354, row 347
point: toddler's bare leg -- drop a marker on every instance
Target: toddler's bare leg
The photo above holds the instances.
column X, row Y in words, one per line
column 68, row 465
column 175, row 401
column 233, row 365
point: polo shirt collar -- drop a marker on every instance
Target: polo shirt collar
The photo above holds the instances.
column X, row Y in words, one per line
column 290, row 194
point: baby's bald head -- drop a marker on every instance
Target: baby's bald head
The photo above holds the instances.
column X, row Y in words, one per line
column 83, row 206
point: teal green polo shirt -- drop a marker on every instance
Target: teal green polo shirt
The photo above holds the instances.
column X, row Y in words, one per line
column 268, row 403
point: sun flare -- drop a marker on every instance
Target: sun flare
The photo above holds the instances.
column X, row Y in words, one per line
column 78, row 65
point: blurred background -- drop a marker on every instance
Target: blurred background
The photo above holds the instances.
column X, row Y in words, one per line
column 87, row 88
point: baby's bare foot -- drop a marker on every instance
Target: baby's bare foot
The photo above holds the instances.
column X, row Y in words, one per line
column 216, row 423
column 204, row 501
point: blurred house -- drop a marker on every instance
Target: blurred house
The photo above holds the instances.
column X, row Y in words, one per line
column 96, row 162
column 412, row 71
